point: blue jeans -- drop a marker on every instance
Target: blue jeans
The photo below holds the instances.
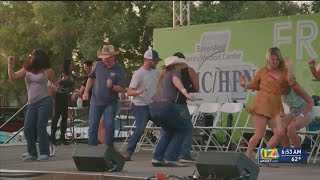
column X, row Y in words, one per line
column 109, row 114
column 175, row 128
column 188, row 139
column 141, row 116
column 37, row 116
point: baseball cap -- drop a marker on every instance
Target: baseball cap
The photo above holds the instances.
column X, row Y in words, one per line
column 152, row 54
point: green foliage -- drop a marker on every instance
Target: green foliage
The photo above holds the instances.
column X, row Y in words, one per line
column 315, row 6
column 77, row 29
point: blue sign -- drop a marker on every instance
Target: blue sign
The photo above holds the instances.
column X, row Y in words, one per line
column 282, row 155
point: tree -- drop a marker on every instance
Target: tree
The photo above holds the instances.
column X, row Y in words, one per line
column 315, row 6
column 77, row 29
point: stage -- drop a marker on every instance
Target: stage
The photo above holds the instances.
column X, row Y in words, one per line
column 62, row 167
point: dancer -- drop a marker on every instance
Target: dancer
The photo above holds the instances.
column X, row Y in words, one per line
column 66, row 86
column 52, row 148
column 301, row 114
column 190, row 81
column 270, row 82
column 164, row 112
column 142, row 87
column 37, row 72
column 107, row 79
column 87, row 67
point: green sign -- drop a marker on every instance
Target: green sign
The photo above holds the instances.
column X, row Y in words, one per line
column 218, row 51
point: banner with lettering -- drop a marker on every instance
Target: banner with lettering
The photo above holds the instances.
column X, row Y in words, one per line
column 217, row 52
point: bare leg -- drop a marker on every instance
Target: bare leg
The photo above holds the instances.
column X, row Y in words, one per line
column 260, row 123
column 285, row 141
column 278, row 128
column 294, row 126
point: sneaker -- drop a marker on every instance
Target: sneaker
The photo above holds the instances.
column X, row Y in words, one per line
column 187, row 160
column 175, row 164
column 43, row 158
column 156, row 163
column 52, row 150
column 25, row 154
column 29, row 158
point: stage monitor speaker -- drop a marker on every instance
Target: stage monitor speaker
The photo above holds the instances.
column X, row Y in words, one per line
column 97, row 158
column 226, row 165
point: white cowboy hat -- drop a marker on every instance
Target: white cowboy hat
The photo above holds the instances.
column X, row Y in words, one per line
column 107, row 51
column 173, row 60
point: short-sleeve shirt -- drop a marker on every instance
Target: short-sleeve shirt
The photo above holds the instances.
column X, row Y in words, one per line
column 101, row 94
column 66, row 86
column 148, row 80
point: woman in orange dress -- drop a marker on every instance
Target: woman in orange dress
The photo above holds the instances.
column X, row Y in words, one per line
column 270, row 82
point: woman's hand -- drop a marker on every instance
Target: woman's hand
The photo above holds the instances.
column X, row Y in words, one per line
column 312, row 63
column 288, row 62
column 10, row 60
column 242, row 80
column 187, row 95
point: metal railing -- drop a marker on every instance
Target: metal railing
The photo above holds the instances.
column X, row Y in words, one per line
column 14, row 115
column 14, row 135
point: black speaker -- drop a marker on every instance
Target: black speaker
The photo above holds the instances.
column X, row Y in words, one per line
column 97, row 158
column 226, row 165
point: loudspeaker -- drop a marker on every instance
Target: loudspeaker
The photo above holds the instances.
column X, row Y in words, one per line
column 226, row 165
column 97, row 158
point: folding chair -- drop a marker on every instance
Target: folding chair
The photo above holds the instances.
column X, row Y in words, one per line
column 124, row 115
column 149, row 138
column 129, row 130
column 311, row 134
column 206, row 108
column 243, row 142
column 231, row 109
column 192, row 109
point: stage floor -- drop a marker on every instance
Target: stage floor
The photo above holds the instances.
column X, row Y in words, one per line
column 62, row 167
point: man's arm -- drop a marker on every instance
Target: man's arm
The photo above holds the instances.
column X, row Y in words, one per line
column 133, row 89
column 120, row 87
column 79, row 93
column 89, row 85
column 194, row 79
column 305, row 96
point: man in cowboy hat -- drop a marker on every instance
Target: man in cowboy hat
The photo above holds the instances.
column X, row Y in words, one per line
column 142, row 87
column 107, row 79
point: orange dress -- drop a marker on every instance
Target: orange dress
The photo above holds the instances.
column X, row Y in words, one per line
column 268, row 101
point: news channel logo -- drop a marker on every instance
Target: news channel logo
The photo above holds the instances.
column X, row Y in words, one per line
column 266, row 155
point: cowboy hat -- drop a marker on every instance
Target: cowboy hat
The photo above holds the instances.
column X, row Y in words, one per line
column 173, row 60
column 107, row 51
